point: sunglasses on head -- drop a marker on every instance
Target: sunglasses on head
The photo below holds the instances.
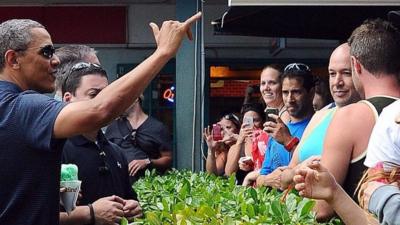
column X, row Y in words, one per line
column 297, row 67
column 232, row 117
column 84, row 65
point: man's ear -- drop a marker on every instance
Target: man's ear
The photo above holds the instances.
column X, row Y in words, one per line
column 311, row 93
column 356, row 65
column 67, row 97
column 11, row 59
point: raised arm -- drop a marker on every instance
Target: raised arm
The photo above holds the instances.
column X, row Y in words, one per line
column 80, row 117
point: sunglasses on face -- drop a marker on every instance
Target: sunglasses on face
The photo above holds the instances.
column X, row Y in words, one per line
column 297, row 67
column 46, row 51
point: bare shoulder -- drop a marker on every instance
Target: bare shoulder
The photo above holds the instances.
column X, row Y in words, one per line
column 355, row 115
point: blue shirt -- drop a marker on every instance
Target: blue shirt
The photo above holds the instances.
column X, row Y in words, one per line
column 29, row 157
column 276, row 155
column 313, row 143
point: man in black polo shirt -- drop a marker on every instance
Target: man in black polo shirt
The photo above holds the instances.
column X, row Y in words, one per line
column 102, row 166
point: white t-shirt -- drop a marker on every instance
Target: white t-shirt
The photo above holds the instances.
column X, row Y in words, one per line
column 384, row 143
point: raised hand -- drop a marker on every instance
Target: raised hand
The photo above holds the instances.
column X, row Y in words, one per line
column 171, row 34
column 278, row 130
column 245, row 132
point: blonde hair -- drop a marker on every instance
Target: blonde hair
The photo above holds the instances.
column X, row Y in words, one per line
column 386, row 175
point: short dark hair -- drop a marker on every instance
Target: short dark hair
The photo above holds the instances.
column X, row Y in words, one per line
column 74, row 77
column 255, row 107
column 376, row 44
column 300, row 71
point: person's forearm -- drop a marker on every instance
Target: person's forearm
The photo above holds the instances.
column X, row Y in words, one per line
column 211, row 165
column 233, row 158
column 347, row 209
column 162, row 164
column 287, row 177
column 120, row 94
column 79, row 216
column 111, row 102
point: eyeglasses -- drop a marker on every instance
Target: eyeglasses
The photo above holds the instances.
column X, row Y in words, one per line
column 46, row 51
column 103, row 168
column 297, row 67
column 84, row 65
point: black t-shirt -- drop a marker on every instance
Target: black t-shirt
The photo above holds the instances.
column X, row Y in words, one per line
column 102, row 168
column 147, row 141
column 29, row 157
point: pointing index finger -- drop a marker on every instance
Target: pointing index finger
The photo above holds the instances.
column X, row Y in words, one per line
column 192, row 19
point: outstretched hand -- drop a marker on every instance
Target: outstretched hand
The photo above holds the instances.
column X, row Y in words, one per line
column 315, row 181
column 171, row 34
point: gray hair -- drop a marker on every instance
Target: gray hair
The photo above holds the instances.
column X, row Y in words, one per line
column 15, row 34
column 69, row 55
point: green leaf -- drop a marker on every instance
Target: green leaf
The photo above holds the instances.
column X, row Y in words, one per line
column 308, row 206
column 124, row 221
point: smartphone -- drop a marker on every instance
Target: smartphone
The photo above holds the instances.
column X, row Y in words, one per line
column 274, row 111
column 249, row 121
column 217, row 132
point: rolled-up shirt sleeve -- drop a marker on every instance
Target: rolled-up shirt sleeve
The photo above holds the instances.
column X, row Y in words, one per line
column 385, row 204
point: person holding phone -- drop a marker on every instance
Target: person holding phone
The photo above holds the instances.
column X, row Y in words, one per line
column 271, row 90
column 247, row 153
column 298, row 93
column 218, row 148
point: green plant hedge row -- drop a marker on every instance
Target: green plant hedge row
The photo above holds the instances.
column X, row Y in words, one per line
column 183, row 198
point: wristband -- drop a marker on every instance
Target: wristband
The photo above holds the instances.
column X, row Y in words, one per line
column 92, row 217
column 291, row 144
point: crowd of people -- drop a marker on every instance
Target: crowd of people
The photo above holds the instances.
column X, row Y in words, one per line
column 344, row 152
column 334, row 140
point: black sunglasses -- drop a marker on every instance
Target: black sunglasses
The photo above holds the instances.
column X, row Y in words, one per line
column 103, row 168
column 297, row 67
column 46, row 51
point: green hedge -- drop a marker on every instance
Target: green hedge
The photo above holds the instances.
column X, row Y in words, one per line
column 183, row 198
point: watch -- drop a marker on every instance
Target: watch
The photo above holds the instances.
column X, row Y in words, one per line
column 291, row 144
column 148, row 162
